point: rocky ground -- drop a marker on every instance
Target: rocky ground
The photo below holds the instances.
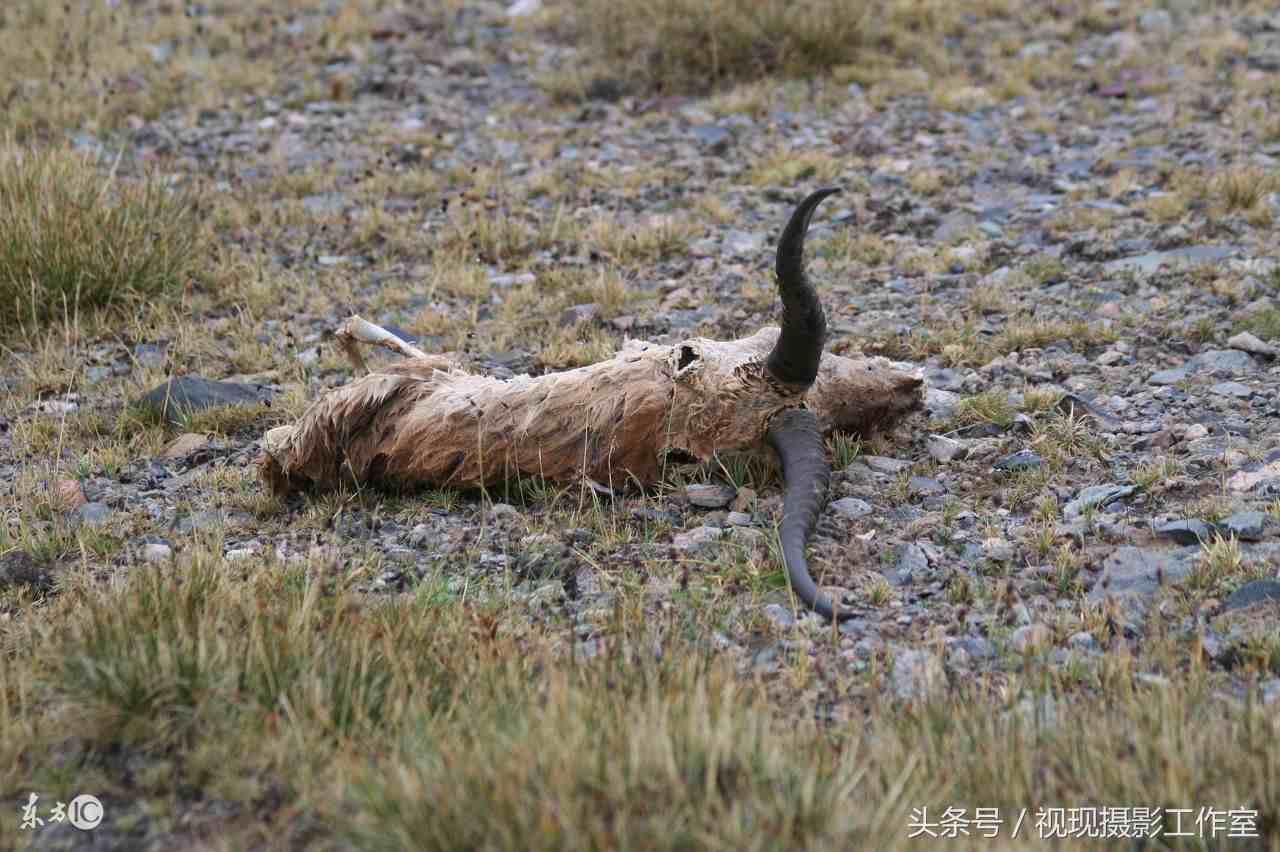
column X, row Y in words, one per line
column 1083, row 271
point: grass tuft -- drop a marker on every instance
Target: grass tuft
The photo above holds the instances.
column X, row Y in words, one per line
column 694, row 45
column 74, row 239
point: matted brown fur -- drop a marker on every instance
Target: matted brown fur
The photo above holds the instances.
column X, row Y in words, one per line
column 426, row 422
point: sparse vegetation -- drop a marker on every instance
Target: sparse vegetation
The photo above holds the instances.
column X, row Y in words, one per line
column 686, row 44
column 74, row 238
column 551, row 665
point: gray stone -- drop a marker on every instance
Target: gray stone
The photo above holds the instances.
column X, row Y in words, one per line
column 750, row 537
column 1021, row 460
column 91, row 514
column 150, row 355
column 157, row 552
column 1246, row 526
column 975, row 648
column 1135, row 574
column 713, row 137
column 1096, row 495
column 1248, row 342
column 503, row 510
column 1227, row 362
column 944, row 449
column 183, row 395
column 738, row 519
column 1234, row 389
column 1145, row 264
column 1170, row 377
column 575, row 314
column 400, row 554
column 884, row 464
column 1260, row 478
column 420, row 535
column 1189, row 531
column 697, row 540
column 203, row 520
column 997, row 550
column 925, row 486
column 710, row 496
column 916, row 674
column 1253, row 592
column 1084, row 641
column 954, row 225
column 912, row 562
column 940, row 404
column 511, row 279
column 781, row 617
column 743, row 242
column 851, row 507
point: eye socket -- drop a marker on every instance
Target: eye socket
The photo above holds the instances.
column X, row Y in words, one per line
column 687, row 357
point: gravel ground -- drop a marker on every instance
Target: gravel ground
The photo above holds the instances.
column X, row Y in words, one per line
column 1085, row 277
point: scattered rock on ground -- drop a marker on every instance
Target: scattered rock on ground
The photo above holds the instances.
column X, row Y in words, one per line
column 184, row 395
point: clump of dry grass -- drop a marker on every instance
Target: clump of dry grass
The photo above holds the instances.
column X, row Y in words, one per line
column 695, row 44
column 73, row 238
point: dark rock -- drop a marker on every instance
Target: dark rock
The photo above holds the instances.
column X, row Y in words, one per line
column 150, row 354
column 1075, row 406
column 1135, row 574
column 714, row 138
column 944, row 449
column 710, row 496
column 197, row 521
column 851, row 507
column 1170, row 377
column 781, row 617
column 912, row 562
column 1233, row 389
column 575, row 314
column 1189, row 531
column 1021, row 460
column 884, row 464
column 1253, row 592
column 184, row 395
column 17, row 567
column 1084, row 641
column 1227, row 362
column 1246, row 526
column 924, row 486
column 91, row 514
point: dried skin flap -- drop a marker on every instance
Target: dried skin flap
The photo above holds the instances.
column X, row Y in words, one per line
column 423, row 422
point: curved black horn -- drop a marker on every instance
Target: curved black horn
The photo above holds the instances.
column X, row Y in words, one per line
column 795, row 436
column 794, row 359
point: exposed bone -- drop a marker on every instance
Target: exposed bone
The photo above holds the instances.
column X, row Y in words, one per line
column 426, row 422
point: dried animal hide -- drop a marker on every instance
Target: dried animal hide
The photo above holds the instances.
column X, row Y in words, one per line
column 426, row 422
